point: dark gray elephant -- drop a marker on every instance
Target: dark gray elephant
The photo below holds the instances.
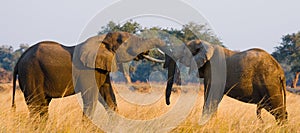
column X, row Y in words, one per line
column 252, row 76
column 45, row 70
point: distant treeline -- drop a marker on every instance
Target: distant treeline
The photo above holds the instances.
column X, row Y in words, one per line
column 8, row 56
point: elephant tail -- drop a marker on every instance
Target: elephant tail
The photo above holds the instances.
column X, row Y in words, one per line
column 15, row 73
column 283, row 87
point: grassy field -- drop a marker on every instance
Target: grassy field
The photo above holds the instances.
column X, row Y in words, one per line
column 66, row 116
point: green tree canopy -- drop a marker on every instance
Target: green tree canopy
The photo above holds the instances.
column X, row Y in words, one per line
column 288, row 54
column 6, row 57
column 130, row 27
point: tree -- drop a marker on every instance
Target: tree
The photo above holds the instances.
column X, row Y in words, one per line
column 130, row 27
column 288, row 54
column 6, row 57
column 17, row 54
column 194, row 31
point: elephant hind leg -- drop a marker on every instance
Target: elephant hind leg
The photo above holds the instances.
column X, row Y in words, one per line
column 277, row 105
column 277, row 110
column 279, row 113
column 38, row 107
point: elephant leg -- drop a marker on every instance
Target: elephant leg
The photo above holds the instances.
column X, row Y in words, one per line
column 273, row 106
column 277, row 103
column 38, row 106
column 34, row 96
column 207, row 85
column 87, row 86
column 31, row 81
column 277, row 109
column 108, row 95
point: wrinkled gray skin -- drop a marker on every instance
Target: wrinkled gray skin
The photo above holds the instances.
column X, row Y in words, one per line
column 44, row 71
column 253, row 76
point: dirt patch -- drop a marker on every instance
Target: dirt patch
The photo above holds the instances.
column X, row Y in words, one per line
column 294, row 90
column 141, row 88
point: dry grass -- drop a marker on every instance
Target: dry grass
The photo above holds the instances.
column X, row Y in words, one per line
column 66, row 114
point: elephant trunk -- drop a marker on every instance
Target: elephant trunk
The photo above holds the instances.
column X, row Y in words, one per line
column 136, row 46
column 171, row 72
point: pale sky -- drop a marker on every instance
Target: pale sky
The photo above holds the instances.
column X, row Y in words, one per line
column 240, row 24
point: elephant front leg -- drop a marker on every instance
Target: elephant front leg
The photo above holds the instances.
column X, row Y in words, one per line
column 86, row 85
column 108, row 95
column 210, row 105
column 207, row 85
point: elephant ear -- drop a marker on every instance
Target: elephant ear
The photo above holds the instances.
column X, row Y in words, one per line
column 202, row 52
column 94, row 54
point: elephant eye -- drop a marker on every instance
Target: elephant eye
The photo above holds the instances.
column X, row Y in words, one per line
column 196, row 51
column 119, row 40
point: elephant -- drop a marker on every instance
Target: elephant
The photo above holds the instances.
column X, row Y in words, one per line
column 49, row 70
column 252, row 76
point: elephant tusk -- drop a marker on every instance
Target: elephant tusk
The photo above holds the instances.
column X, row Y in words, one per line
column 153, row 59
column 160, row 51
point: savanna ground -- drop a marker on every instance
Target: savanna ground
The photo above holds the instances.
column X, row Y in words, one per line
column 65, row 114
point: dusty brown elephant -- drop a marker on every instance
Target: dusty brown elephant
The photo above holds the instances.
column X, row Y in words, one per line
column 252, row 76
column 46, row 70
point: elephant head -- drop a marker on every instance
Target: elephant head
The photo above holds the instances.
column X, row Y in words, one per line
column 203, row 54
column 98, row 51
column 105, row 51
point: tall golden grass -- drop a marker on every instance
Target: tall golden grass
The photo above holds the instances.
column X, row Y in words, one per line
column 65, row 114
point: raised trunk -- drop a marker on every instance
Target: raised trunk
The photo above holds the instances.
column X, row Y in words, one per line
column 134, row 47
column 295, row 80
